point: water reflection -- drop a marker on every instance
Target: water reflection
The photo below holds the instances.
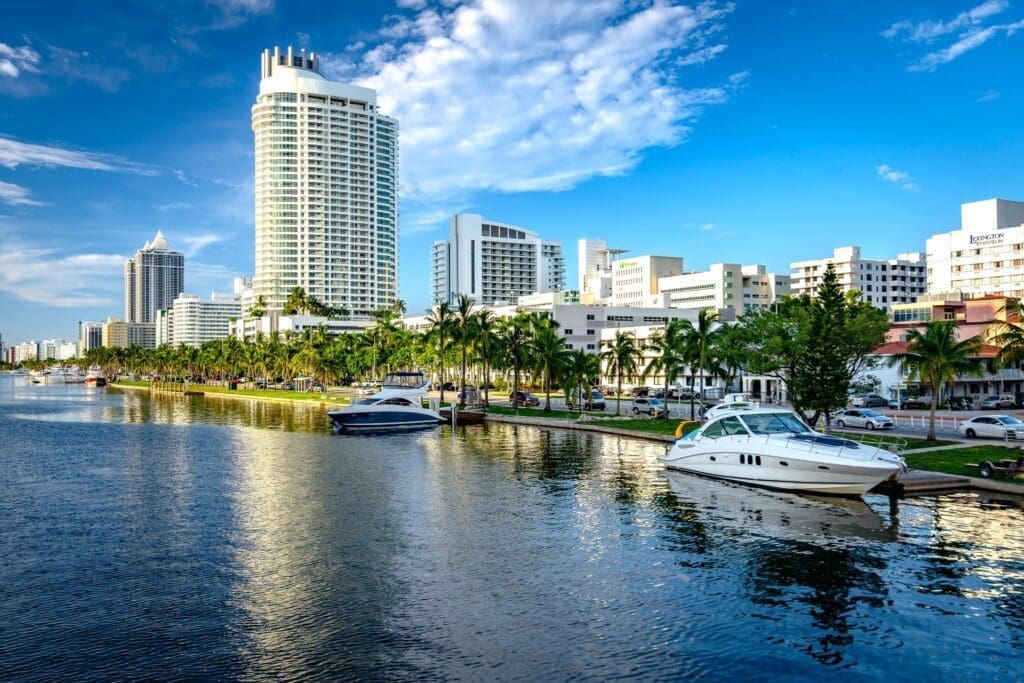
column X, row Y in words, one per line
column 208, row 537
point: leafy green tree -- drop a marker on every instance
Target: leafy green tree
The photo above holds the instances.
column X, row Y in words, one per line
column 514, row 337
column 581, row 370
column 815, row 345
column 621, row 357
column 935, row 357
column 487, row 346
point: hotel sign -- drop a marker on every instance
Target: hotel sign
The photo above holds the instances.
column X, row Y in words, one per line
column 990, row 238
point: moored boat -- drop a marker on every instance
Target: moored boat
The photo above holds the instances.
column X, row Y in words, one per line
column 772, row 448
column 95, row 377
column 463, row 416
column 398, row 405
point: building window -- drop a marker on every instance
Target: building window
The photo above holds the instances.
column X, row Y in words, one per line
column 590, row 316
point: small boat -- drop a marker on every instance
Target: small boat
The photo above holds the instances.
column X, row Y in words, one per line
column 463, row 416
column 95, row 377
column 398, row 405
column 773, row 448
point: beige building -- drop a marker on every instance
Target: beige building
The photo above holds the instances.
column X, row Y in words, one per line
column 120, row 334
column 635, row 280
column 725, row 285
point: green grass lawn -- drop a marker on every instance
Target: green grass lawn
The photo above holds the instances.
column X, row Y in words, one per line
column 648, row 426
column 255, row 393
column 953, row 462
column 913, row 443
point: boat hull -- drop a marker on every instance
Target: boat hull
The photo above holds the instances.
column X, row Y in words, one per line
column 382, row 420
column 462, row 417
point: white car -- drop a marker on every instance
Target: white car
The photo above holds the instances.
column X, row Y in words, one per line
column 993, row 426
column 997, row 402
column 864, row 418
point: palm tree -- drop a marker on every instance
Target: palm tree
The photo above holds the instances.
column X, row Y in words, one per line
column 1009, row 335
column 514, row 338
column 936, row 357
column 700, row 343
column 486, row 345
column 440, row 323
column 622, row 358
column 581, row 370
column 670, row 347
column 549, row 354
column 464, row 332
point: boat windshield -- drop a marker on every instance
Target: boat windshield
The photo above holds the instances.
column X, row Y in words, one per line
column 775, row 423
column 405, row 380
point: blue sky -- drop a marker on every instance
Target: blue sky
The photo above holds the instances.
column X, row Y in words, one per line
column 747, row 131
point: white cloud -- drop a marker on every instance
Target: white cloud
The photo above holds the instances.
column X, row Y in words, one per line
column 15, row 195
column 14, row 153
column 516, row 95
column 988, row 96
column 901, row 178
column 15, row 60
column 968, row 26
column 43, row 276
column 196, row 243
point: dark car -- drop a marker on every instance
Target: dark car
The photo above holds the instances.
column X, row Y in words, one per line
column 961, row 403
column 639, row 391
column 596, row 401
column 908, row 403
column 448, row 386
column 523, row 398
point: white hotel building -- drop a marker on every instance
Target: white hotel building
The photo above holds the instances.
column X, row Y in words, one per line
column 193, row 322
column 985, row 256
column 881, row 282
column 493, row 262
column 326, row 188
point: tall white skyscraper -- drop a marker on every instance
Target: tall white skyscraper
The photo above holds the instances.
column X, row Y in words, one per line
column 326, row 188
column 493, row 262
column 153, row 278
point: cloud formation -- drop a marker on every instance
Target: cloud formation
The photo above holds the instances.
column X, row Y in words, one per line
column 43, row 276
column 16, row 60
column 970, row 29
column 901, row 178
column 516, row 96
column 15, row 195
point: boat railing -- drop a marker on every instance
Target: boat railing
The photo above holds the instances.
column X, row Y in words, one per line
column 892, row 444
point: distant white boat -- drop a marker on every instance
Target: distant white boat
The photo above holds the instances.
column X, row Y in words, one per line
column 772, row 448
column 57, row 375
column 95, row 377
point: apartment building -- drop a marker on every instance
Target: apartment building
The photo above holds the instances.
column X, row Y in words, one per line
column 725, row 285
column 493, row 262
column 880, row 282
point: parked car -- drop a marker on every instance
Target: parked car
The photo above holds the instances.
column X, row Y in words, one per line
column 993, row 426
column 864, row 418
column 596, row 401
column 639, row 391
column 961, row 403
column 523, row 398
column 649, row 406
column 908, row 403
column 869, row 401
column 997, row 402
column 448, row 386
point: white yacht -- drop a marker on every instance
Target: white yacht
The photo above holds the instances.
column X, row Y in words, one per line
column 771, row 447
column 398, row 405
column 730, row 402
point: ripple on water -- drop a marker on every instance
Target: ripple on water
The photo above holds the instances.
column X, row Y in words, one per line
column 173, row 538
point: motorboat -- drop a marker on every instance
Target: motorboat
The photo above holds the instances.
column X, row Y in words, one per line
column 773, row 448
column 95, row 377
column 398, row 405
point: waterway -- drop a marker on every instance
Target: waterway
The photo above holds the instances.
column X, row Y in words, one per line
column 204, row 537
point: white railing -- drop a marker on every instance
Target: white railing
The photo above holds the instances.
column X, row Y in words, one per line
column 942, row 422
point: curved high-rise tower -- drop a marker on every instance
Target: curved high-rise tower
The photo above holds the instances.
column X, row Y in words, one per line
column 326, row 188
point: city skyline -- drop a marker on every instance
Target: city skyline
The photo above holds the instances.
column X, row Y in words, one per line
column 716, row 132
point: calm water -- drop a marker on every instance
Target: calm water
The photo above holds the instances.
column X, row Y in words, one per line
column 174, row 538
